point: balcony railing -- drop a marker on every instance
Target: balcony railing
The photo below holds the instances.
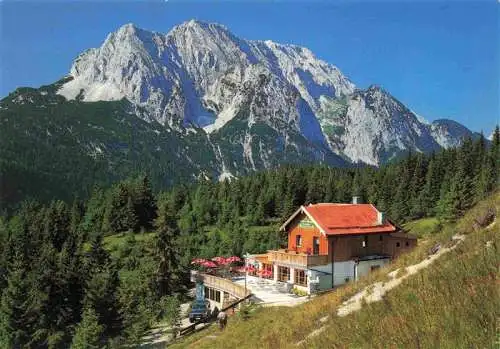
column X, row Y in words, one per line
column 220, row 284
column 293, row 258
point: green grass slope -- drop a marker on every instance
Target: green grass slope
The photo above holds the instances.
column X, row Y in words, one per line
column 454, row 303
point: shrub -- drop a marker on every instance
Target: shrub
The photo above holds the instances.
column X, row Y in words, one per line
column 298, row 292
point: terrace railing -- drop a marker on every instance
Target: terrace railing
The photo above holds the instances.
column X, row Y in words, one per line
column 221, row 284
column 297, row 259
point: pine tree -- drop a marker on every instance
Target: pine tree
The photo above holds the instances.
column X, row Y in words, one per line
column 144, row 202
column 101, row 285
column 94, row 211
column 448, row 205
column 101, row 295
column 463, row 179
column 98, row 257
column 117, row 216
column 172, row 310
column 70, row 283
column 399, row 208
column 44, row 300
column 429, row 195
column 483, row 177
column 130, row 254
column 4, row 252
column 131, row 218
column 495, row 156
column 57, row 223
column 237, row 235
column 417, row 183
column 14, row 329
column 166, row 249
column 289, row 206
column 88, row 333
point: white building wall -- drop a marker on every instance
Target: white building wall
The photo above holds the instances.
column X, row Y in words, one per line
column 343, row 272
column 364, row 267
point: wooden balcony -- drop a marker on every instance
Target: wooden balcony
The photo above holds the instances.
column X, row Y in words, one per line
column 297, row 259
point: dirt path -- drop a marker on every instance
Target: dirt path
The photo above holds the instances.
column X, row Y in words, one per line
column 375, row 291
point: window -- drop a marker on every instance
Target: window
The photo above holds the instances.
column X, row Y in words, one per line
column 298, row 240
column 212, row 294
column 397, row 244
column 407, row 244
column 374, row 267
column 381, row 238
column 365, row 241
column 283, row 274
column 315, row 245
column 300, row 277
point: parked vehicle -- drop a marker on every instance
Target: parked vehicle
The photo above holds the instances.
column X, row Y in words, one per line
column 200, row 310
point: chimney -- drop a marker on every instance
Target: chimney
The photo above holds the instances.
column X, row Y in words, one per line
column 380, row 217
column 356, row 200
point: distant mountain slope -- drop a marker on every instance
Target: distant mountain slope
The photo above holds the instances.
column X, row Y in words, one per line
column 200, row 102
column 51, row 147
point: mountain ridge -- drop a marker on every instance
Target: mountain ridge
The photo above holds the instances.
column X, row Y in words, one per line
column 198, row 73
column 200, row 102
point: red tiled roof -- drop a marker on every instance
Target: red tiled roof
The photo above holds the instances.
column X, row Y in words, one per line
column 345, row 219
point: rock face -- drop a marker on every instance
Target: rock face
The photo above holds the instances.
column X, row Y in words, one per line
column 259, row 103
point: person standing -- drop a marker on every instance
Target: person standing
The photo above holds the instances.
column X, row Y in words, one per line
column 222, row 320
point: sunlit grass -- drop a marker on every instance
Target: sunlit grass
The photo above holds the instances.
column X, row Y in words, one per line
column 422, row 227
column 114, row 243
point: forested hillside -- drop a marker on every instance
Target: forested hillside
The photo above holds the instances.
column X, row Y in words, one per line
column 53, row 148
column 61, row 287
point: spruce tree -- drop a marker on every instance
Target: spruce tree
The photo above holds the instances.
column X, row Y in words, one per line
column 57, row 223
column 166, row 249
column 131, row 219
column 145, row 204
column 89, row 332
column 429, row 195
column 495, row 156
column 416, row 186
column 117, row 216
column 14, row 327
column 101, row 295
column 101, row 285
column 94, row 211
column 484, row 167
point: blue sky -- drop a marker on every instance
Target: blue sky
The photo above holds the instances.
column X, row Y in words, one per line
column 439, row 58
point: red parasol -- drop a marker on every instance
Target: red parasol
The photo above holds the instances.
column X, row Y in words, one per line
column 219, row 260
column 198, row 261
column 233, row 259
column 209, row 264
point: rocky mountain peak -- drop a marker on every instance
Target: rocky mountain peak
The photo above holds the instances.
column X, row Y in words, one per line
column 201, row 75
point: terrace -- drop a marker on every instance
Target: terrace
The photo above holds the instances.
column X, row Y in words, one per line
column 292, row 258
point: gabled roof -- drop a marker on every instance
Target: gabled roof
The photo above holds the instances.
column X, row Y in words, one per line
column 344, row 219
